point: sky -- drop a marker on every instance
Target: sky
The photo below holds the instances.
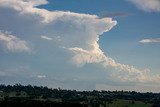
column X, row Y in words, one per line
column 81, row 44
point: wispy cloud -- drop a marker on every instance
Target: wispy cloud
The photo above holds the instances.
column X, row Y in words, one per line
column 41, row 76
column 150, row 40
column 147, row 5
column 45, row 37
column 113, row 14
column 12, row 43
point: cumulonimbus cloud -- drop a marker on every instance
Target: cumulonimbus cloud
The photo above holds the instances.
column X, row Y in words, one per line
column 78, row 33
column 12, row 43
column 150, row 40
column 147, row 5
column 122, row 71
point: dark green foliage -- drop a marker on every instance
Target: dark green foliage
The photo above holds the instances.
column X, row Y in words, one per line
column 33, row 103
column 28, row 96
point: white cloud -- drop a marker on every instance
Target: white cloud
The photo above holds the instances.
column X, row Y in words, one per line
column 82, row 56
column 35, row 2
column 150, row 40
column 12, row 43
column 41, row 76
column 78, row 33
column 147, row 5
column 45, row 37
column 28, row 7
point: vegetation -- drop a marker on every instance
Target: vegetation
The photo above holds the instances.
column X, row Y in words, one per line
column 128, row 103
column 28, row 96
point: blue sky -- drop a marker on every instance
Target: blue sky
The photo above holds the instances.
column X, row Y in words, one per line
column 81, row 44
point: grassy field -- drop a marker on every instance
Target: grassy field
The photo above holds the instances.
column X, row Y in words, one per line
column 127, row 103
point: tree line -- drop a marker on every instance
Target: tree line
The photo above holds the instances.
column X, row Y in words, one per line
column 35, row 95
